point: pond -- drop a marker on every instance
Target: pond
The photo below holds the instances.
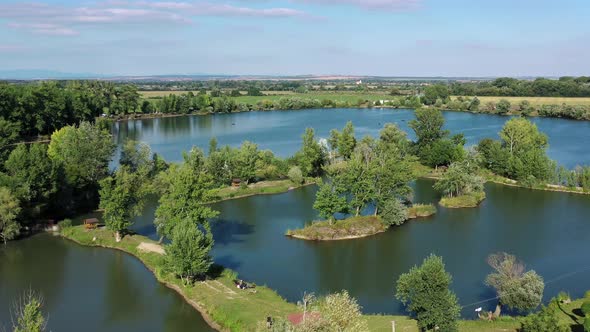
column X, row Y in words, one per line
column 89, row 289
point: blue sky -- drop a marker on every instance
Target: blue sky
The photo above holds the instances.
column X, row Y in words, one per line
column 292, row 37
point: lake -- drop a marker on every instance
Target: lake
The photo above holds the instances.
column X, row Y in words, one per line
column 281, row 131
column 101, row 289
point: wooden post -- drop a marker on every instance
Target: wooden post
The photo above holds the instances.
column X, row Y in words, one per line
column 392, row 326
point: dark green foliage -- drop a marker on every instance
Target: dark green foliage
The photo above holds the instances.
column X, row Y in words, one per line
column 312, row 156
column 186, row 188
column 187, row 255
column 586, row 324
column 329, row 201
column 424, row 290
column 121, row 197
column 394, row 212
column 547, row 320
column 585, row 308
column 434, row 92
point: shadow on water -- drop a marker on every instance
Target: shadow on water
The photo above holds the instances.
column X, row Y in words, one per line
column 228, row 231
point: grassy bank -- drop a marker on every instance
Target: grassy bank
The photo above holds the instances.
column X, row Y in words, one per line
column 227, row 308
column 464, row 201
column 223, row 305
column 350, row 228
column 258, row 188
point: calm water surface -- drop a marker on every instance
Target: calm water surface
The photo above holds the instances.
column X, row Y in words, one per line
column 549, row 231
column 100, row 289
column 90, row 289
column 280, row 131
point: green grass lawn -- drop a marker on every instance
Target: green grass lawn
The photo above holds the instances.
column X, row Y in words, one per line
column 258, row 188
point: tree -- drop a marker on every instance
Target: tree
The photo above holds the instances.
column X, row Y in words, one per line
column 547, row 320
column 137, row 156
column 441, row 152
column 9, row 134
column 461, row 178
column 186, row 190
column 425, row 292
column 346, row 141
column 34, row 176
column 295, row 175
column 328, row 202
column 394, row 212
column 428, row 126
column 9, row 211
column 28, row 316
column 434, row 92
column 503, row 106
column 187, row 256
column 122, row 198
column 520, row 135
column 84, row 152
column 516, row 288
column 342, row 313
column 312, row 156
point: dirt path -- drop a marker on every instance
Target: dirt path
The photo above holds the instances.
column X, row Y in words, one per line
column 151, row 247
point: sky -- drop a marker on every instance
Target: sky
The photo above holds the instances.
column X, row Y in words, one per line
column 298, row 37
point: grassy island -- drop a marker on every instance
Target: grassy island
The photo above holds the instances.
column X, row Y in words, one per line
column 421, row 211
column 350, row 228
column 463, row 201
column 354, row 227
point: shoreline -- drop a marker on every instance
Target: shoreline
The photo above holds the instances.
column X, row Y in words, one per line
column 206, row 317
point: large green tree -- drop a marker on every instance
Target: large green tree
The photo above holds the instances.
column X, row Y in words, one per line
column 312, row 156
column 84, row 151
column 187, row 187
column 187, row 255
column 516, row 288
column 329, row 201
column 122, row 197
column 9, row 211
column 428, row 126
column 425, row 292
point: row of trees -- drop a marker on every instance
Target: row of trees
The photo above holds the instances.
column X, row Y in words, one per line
column 28, row 110
column 540, row 87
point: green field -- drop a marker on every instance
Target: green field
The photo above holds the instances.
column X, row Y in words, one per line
column 276, row 95
column 538, row 101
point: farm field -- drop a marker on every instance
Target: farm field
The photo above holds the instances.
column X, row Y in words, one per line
column 538, row 101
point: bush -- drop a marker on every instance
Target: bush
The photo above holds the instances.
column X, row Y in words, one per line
column 295, row 175
column 585, row 308
column 587, row 295
column 587, row 324
column 64, row 224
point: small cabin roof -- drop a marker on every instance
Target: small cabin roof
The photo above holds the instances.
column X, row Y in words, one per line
column 236, row 180
column 297, row 318
column 91, row 221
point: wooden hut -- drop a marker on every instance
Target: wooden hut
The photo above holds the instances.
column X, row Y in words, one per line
column 236, row 183
column 91, row 223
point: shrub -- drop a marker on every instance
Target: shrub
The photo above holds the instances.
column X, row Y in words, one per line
column 587, row 324
column 585, row 308
column 587, row 295
column 64, row 224
column 295, row 175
